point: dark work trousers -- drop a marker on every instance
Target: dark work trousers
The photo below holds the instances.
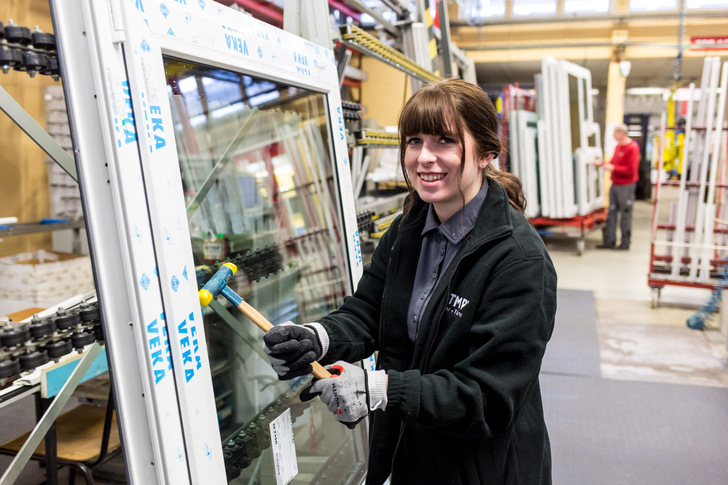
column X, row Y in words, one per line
column 621, row 200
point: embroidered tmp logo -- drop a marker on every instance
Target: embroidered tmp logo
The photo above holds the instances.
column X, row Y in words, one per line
column 455, row 304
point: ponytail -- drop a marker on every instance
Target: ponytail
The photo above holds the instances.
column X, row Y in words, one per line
column 512, row 184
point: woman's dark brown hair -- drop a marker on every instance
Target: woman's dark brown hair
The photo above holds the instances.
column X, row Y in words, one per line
column 433, row 109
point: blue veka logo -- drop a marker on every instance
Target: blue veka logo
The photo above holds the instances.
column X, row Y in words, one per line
column 191, row 361
column 159, row 348
column 125, row 125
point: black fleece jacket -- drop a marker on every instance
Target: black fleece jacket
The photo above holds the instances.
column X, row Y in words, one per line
column 464, row 402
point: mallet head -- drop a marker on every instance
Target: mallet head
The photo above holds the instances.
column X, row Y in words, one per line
column 216, row 284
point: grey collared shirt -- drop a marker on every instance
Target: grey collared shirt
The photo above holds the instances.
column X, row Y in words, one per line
column 440, row 242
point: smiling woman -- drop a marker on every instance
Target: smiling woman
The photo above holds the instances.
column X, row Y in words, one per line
column 455, row 396
column 449, row 133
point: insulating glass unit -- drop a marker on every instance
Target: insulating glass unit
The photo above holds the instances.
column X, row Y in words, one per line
column 574, row 116
column 256, row 162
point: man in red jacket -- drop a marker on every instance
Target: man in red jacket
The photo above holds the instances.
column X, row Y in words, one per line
column 625, row 172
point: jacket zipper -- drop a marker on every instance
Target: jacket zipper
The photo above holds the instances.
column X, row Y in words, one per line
column 384, row 296
column 449, row 288
column 437, row 328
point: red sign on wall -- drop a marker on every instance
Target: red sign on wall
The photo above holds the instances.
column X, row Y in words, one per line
column 710, row 43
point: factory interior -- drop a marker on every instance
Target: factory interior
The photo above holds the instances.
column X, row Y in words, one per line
column 146, row 144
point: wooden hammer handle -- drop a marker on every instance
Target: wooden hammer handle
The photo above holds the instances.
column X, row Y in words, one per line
column 258, row 319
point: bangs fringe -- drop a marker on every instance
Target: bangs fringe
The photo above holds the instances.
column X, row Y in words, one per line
column 429, row 114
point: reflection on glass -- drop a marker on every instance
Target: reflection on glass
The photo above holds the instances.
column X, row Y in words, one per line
column 256, row 164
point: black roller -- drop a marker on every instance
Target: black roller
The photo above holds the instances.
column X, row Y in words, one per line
column 89, row 312
column 98, row 333
column 52, row 69
column 34, row 359
column 16, row 34
column 242, row 438
column 10, row 57
column 9, row 368
column 231, row 472
column 13, row 335
column 43, row 40
column 82, row 339
column 2, row 30
column 32, row 62
column 44, row 327
column 59, row 348
column 252, row 429
column 244, row 461
column 264, row 440
column 67, row 319
column 236, row 450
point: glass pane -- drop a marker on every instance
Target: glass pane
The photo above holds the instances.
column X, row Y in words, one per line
column 256, row 164
column 643, row 5
column 586, row 6
column 574, row 117
column 534, row 7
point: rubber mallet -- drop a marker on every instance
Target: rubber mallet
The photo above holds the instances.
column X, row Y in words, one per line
column 218, row 285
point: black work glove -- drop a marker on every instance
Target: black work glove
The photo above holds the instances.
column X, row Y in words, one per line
column 291, row 348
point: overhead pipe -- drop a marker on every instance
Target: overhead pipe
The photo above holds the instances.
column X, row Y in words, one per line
column 577, row 44
column 586, row 18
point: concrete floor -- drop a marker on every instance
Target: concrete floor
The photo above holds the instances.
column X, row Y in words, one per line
column 636, row 341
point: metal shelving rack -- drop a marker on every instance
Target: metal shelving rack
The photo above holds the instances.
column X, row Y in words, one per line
column 689, row 248
column 359, row 40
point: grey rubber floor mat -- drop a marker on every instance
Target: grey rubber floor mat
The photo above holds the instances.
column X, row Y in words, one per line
column 574, row 346
column 622, row 432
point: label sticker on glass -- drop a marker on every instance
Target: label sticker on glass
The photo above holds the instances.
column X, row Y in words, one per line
column 284, row 450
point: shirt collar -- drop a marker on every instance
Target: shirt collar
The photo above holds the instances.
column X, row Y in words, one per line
column 458, row 226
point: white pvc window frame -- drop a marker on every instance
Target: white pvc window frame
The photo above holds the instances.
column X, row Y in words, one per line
column 569, row 184
column 113, row 73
